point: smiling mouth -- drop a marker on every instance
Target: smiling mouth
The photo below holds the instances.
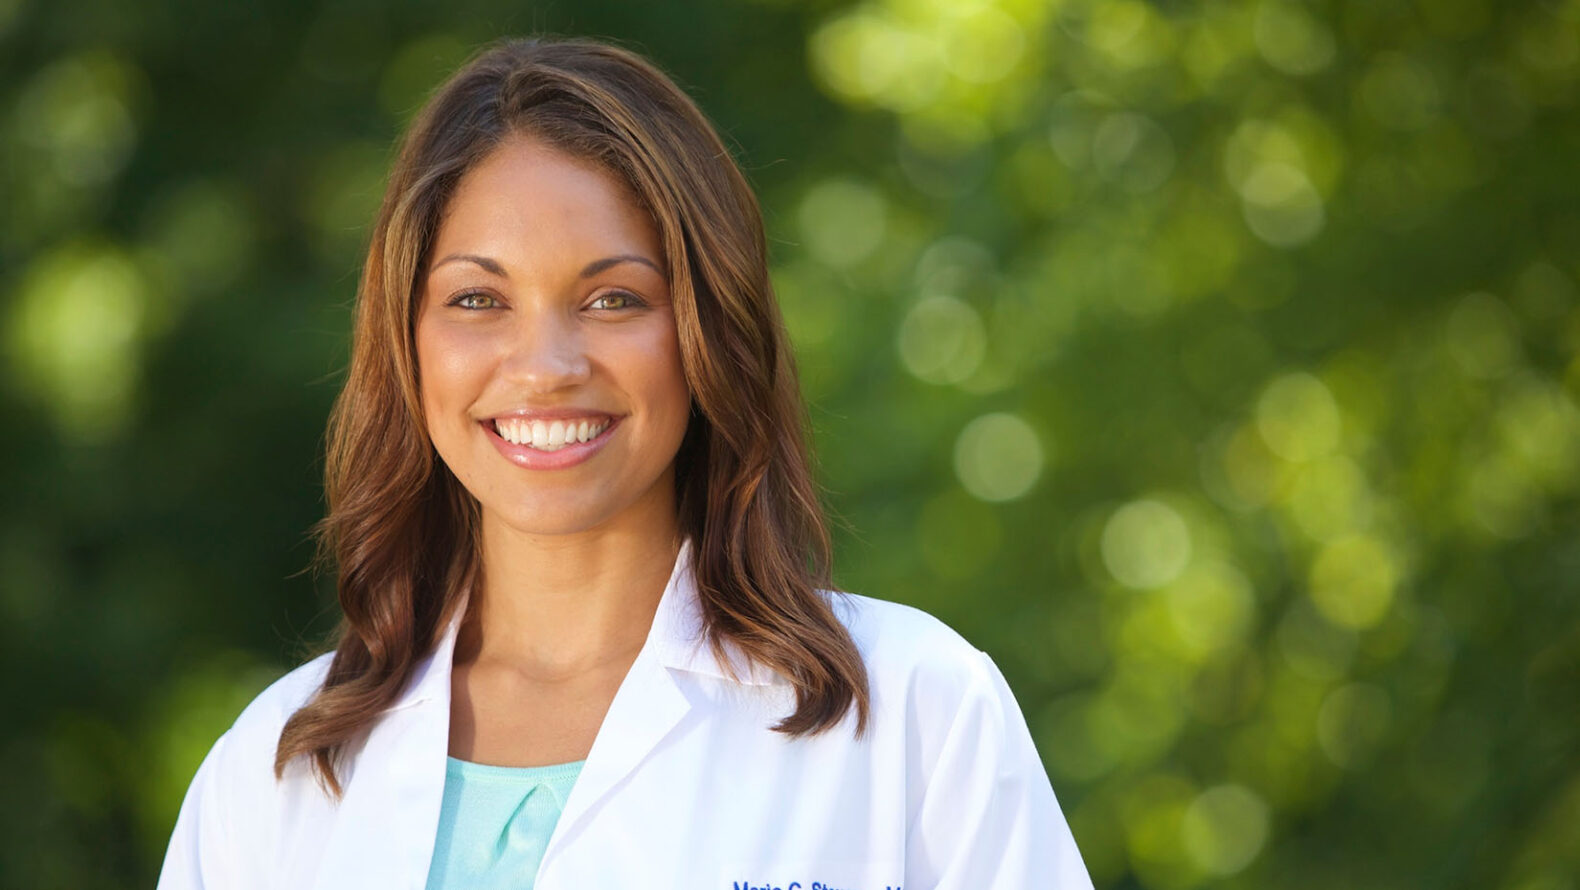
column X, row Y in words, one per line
column 550, row 435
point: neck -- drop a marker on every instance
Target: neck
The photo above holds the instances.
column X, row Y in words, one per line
column 555, row 607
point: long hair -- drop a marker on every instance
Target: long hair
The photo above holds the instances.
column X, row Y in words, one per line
column 401, row 531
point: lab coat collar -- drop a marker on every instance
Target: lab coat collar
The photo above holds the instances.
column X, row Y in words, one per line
column 399, row 771
column 677, row 634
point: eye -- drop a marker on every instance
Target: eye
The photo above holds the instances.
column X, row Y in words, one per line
column 475, row 299
column 617, row 299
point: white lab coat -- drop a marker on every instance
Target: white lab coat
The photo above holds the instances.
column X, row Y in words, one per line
column 685, row 786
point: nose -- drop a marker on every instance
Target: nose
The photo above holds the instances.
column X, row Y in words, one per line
column 547, row 353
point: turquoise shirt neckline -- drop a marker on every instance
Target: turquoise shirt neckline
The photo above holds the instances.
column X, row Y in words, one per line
column 473, row 770
column 495, row 823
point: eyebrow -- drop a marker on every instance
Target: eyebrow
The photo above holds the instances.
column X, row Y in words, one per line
column 592, row 268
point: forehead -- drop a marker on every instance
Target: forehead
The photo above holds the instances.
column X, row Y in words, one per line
column 526, row 198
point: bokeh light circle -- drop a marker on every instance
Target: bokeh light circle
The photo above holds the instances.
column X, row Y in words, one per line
column 998, row 457
column 1224, row 829
column 1146, row 544
column 1298, row 417
column 941, row 340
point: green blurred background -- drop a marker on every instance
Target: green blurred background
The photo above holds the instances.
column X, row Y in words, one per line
column 1212, row 365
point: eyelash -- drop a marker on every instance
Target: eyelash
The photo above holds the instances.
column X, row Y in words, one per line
column 461, row 298
column 633, row 301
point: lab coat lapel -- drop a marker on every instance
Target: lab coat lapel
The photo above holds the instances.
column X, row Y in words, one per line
column 648, row 706
column 383, row 833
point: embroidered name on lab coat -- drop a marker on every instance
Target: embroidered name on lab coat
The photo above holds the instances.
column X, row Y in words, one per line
column 798, row 885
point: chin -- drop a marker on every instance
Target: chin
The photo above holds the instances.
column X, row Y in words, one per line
column 549, row 519
column 568, row 509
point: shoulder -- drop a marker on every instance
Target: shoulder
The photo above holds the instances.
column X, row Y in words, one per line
column 940, row 697
column 917, row 663
column 263, row 718
column 235, row 786
column 241, row 763
column 896, row 638
column 893, row 634
column 980, row 811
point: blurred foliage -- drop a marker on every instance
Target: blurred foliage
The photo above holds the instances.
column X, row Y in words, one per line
column 1212, row 365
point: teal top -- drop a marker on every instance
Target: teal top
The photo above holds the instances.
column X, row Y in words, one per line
column 495, row 823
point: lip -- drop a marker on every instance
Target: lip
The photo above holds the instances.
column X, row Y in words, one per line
column 547, row 414
column 529, row 458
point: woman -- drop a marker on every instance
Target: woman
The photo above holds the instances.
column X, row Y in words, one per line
column 588, row 638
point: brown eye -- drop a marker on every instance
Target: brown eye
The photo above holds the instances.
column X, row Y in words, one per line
column 474, row 300
column 618, row 299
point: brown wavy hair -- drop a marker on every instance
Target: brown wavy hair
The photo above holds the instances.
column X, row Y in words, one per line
column 401, row 531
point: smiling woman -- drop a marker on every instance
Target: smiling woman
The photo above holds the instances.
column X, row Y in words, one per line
column 589, row 636
column 522, row 338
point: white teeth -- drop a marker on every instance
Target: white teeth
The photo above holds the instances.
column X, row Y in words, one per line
column 548, row 436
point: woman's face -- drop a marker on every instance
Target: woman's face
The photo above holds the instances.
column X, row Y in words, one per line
column 546, row 347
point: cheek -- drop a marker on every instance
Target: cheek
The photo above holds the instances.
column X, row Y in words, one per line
column 446, row 368
column 429, row 372
column 666, row 378
column 644, row 361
